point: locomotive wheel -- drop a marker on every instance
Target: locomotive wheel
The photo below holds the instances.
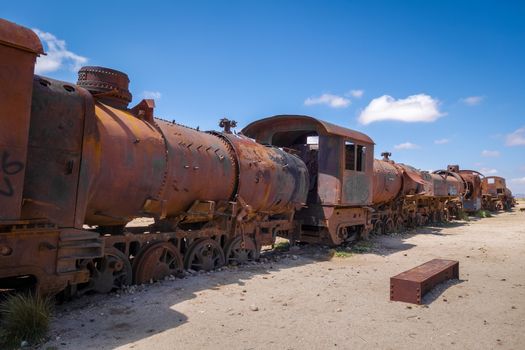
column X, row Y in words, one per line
column 156, row 261
column 378, row 228
column 205, row 254
column 421, row 220
column 400, row 225
column 389, row 226
column 113, row 271
column 239, row 252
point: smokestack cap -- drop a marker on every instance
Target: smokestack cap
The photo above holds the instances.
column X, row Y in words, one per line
column 110, row 86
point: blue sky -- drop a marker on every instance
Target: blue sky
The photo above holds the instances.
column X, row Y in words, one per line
column 433, row 82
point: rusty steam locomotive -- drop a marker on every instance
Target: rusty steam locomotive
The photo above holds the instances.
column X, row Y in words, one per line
column 77, row 165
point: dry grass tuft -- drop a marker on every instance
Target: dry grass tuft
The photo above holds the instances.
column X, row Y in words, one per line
column 24, row 317
column 483, row 214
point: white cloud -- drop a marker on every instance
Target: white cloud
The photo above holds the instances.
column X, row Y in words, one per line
column 415, row 108
column 472, row 100
column 406, row 145
column 330, row 100
column 520, row 180
column 486, row 153
column 356, row 93
column 517, row 138
column 441, row 141
column 488, row 171
column 152, row 94
column 58, row 57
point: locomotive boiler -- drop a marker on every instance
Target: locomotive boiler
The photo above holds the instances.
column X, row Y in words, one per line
column 78, row 165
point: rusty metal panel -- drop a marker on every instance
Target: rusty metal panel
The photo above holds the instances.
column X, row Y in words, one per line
column 330, row 169
column 54, row 152
column 472, row 199
column 447, row 185
column 129, row 162
column 410, row 286
column 493, row 185
column 413, row 180
column 357, row 184
column 18, row 50
column 200, row 166
column 356, row 188
column 387, row 180
column 270, row 179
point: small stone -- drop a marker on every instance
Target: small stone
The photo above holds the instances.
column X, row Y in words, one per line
column 503, row 279
column 254, row 308
column 513, row 307
column 409, row 307
column 24, row 344
column 295, row 257
column 445, row 300
column 339, row 310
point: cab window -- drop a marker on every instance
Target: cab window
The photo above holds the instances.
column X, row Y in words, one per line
column 349, row 155
column 354, row 156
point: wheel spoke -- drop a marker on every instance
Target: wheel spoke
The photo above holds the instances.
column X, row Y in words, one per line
column 156, row 262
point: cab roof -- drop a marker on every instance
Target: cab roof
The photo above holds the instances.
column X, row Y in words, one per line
column 263, row 130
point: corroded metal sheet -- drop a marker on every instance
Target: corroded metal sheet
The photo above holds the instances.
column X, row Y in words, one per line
column 388, row 181
column 54, row 151
column 19, row 47
column 410, row 286
column 270, row 179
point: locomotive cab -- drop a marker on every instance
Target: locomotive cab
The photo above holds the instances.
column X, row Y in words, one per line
column 340, row 165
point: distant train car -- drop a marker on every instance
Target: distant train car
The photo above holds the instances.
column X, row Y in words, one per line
column 406, row 197
column 496, row 195
column 471, row 196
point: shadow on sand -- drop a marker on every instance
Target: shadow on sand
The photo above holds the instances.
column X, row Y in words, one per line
column 161, row 299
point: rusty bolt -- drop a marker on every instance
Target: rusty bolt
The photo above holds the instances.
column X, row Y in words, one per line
column 5, row 250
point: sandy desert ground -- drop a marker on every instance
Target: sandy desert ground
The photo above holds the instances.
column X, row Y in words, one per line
column 307, row 299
